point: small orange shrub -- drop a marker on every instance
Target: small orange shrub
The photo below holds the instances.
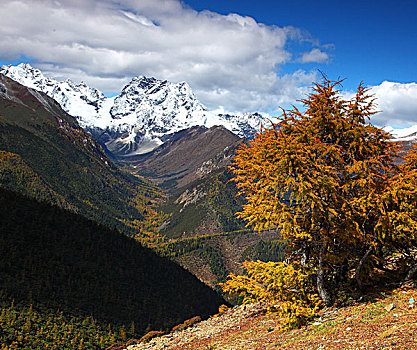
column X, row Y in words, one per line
column 186, row 324
column 150, row 335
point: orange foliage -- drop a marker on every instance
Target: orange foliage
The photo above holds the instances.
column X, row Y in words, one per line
column 326, row 179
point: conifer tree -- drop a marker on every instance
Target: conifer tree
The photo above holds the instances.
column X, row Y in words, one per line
column 326, row 179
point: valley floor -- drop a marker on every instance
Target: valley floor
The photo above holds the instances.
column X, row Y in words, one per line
column 386, row 322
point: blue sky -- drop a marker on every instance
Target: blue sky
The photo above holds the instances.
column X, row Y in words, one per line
column 368, row 40
column 238, row 56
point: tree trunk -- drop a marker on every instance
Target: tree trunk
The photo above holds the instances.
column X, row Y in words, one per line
column 359, row 268
column 305, row 256
column 321, row 284
column 410, row 273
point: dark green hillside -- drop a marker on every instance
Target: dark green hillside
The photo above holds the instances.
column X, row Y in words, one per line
column 207, row 205
column 16, row 174
column 70, row 168
column 60, row 260
column 212, row 257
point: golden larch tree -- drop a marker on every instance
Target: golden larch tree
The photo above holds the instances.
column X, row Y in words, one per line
column 327, row 180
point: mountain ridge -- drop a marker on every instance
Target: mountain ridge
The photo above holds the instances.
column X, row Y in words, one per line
column 145, row 113
column 188, row 155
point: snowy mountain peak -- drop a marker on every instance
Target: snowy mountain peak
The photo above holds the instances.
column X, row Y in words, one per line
column 145, row 82
column 159, row 90
column 24, row 74
column 145, row 113
column 79, row 100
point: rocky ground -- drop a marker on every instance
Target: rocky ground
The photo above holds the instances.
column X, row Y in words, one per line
column 387, row 321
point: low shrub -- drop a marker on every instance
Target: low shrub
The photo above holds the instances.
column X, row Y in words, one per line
column 284, row 288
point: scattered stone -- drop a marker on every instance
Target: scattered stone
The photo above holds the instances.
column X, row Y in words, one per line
column 389, row 307
column 329, row 319
column 206, row 329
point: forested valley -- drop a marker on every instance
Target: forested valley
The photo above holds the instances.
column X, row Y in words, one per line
column 65, row 277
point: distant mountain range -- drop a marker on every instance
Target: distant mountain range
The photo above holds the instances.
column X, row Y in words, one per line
column 143, row 116
column 45, row 154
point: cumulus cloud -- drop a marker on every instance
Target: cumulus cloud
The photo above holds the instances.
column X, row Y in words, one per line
column 315, row 55
column 230, row 61
column 397, row 104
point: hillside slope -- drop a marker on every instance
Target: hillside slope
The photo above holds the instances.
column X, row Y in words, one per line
column 205, row 236
column 61, row 260
column 386, row 321
column 214, row 256
column 188, row 155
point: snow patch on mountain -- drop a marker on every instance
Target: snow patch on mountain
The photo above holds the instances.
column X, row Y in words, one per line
column 404, row 134
column 145, row 113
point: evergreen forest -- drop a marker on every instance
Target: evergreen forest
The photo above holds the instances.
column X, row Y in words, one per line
column 62, row 273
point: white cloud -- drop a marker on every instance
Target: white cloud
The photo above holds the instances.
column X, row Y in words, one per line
column 315, row 55
column 397, row 104
column 230, row 61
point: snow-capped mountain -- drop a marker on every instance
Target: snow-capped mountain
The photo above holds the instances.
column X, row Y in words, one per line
column 145, row 113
